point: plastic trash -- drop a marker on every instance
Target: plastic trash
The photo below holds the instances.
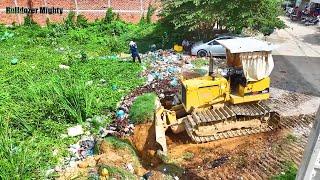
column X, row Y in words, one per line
column 147, row 175
column 49, row 172
column 114, row 87
column 155, row 75
column 202, row 72
column 153, row 48
column 88, row 144
column 112, row 57
column 178, row 48
column 61, row 66
column 120, row 114
column 130, row 168
column 6, row 35
column 74, row 148
column 102, row 81
column 160, row 77
column 89, row 83
column 150, row 78
column 75, row 131
column 104, row 172
column 174, row 82
column 14, row 61
column 188, row 66
column 172, row 69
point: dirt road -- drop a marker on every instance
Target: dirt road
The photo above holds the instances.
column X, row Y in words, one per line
column 297, row 58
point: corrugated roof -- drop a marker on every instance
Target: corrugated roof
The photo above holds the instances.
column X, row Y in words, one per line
column 241, row 45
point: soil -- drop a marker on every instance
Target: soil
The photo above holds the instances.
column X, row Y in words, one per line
column 258, row 156
column 143, row 140
column 108, row 155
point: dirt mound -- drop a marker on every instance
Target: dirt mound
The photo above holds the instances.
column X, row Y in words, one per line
column 113, row 155
column 144, row 141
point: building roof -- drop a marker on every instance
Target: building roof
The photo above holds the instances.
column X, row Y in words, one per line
column 241, row 45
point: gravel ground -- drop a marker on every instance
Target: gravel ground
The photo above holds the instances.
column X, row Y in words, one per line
column 297, row 58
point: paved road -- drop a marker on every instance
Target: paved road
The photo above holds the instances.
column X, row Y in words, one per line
column 297, row 58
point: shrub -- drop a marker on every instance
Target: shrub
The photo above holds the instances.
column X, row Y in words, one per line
column 289, row 172
column 69, row 22
column 110, row 16
column 28, row 21
column 143, row 107
column 117, row 173
column 82, row 21
column 38, row 100
column 150, row 12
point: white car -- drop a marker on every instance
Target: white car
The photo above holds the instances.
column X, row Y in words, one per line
column 211, row 48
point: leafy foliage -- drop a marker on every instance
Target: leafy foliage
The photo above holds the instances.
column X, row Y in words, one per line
column 39, row 100
column 118, row 173
column 143, row 108
column 289, row 172
column 110, row 16
column 28, row 21
column 149, row 15
column 202, row 16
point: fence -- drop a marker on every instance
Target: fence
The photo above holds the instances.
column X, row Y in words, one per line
column 128, row 10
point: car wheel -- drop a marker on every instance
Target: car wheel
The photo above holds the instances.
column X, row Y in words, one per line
column 202, row 53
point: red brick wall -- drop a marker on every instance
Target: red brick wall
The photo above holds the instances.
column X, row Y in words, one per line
column 129, row 10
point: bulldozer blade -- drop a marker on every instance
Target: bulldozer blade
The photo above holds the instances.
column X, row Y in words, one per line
column 161, row 127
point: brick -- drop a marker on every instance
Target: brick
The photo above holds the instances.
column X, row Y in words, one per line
column 129, row 10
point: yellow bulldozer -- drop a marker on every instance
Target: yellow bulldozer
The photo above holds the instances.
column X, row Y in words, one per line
column 226, row 103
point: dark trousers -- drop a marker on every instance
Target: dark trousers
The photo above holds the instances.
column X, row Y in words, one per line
column 136, row 56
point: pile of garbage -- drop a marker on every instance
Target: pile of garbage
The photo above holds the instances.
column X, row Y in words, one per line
column 162, row 70
column 81, row 150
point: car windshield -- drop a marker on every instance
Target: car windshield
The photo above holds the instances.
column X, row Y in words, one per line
column 214, row 42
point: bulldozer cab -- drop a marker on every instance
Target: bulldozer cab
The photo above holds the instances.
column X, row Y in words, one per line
column 249, row 64
column 250, row 55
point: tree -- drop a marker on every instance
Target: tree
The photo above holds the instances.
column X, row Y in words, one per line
column 201, row 16
column 110, row 16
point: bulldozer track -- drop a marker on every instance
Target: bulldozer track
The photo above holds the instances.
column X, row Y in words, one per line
column 225, row 113
column 271, row 161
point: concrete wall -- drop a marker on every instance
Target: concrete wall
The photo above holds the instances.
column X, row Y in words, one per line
column 129, row 10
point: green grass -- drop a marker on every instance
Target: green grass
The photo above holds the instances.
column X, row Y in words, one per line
column 39, row 101
column 198, row 63
column 121, row 144
column 289, row 172
column 118, row 173
column 142, row 109
column 188, row 155
column 291, row 138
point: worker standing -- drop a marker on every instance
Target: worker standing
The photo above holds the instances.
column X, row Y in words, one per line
column 134, row 51
column 186, row 46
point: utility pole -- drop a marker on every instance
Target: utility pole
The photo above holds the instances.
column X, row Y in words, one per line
column 310, row 166
column 141, row 7
column 16, row 4
column 76, row 4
